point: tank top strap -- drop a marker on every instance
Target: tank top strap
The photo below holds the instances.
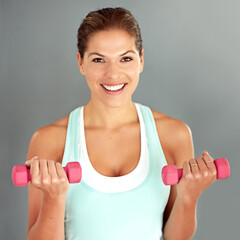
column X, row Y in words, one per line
column 71, row 143
column 154, row 144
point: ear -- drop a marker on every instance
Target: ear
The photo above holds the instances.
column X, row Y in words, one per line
column 142, row 61
column 80, row 63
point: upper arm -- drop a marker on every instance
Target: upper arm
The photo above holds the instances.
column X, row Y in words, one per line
column 43, row 145
column 180, row 149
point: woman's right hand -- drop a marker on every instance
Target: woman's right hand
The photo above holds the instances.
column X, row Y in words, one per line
column 48, row 176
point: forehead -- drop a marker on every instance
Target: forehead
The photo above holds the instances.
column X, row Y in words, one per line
column 111, row 41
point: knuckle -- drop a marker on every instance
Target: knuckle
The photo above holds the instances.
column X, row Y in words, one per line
column 188, row 176
column 205, row 173
column 62, row 179
column 197, row 176
column 55, row 180
column 213, row 173
column 46, row 181
column 36, row 181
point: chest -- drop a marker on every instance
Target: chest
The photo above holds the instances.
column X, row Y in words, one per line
column 114, row 153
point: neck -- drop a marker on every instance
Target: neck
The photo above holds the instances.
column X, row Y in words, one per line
column 98, row 115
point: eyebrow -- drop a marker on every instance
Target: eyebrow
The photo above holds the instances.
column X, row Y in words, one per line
column 104, row 56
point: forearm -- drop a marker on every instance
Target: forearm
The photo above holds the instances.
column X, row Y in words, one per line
column 182, row 222
column 50, row 223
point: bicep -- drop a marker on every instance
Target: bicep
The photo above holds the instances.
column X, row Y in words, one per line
column 181, row 149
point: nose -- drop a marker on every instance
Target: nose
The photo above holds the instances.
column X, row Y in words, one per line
column 112, row 70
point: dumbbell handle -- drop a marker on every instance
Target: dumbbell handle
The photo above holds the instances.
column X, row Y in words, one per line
column 171, row 175
column 21, row 174
column 29, row 178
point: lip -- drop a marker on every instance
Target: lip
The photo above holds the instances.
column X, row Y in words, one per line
column 113, row 84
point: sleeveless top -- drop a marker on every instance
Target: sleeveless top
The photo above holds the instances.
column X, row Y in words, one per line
column 127, row 207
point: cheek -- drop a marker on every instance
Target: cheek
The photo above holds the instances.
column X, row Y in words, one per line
column 133, row 73
column 93, row 73
column 132, row 70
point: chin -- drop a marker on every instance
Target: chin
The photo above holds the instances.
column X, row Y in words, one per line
column 116, row 103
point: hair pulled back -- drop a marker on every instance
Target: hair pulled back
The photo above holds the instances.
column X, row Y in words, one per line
column 107, row 19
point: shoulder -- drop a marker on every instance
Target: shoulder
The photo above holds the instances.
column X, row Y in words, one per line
column 49, row 141
column 175, row 137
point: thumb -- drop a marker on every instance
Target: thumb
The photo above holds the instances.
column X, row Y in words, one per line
column 28, row 162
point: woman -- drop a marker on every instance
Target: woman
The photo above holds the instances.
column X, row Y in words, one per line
column 121, row 146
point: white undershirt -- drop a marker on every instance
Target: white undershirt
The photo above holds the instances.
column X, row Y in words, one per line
column 113, row 184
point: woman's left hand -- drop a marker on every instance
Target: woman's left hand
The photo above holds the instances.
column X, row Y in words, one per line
column 197, row 175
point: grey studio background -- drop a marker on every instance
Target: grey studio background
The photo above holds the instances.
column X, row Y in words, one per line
column 191, row 73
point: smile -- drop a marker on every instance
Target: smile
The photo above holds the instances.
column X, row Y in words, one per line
column 113, row 88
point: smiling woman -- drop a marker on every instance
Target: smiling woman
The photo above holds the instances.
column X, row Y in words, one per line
column 116, row 73
column 122, row 147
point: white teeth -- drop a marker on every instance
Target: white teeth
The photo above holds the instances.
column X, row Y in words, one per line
column 113, row 88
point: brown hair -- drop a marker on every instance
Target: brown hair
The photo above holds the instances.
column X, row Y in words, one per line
column 107, row 19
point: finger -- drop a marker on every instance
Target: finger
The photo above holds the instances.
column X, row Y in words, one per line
column 44, row 171
column 193, row 166
column 208, row 160
column 201, row 164
column 28, row 162
column 52, row 171
column 34, row 168
column 61, row 173
column 186, row 169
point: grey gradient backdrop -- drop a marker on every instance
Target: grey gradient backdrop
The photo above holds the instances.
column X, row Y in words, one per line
column 191, row 73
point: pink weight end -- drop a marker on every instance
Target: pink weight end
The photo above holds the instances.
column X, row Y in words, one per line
column 223, row 168
column 169, row 175
column 74, row 172
column 20, row 175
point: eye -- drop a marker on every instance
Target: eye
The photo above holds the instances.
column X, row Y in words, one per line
column 129, row 59
column 126, row 59
column 94, row 60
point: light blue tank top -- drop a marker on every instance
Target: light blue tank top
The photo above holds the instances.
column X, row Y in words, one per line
column 128, row 207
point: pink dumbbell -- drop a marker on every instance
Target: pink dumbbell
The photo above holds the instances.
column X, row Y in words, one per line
column 21, row 174
column 171, row 175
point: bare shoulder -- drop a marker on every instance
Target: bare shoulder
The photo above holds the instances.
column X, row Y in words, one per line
column 49, row 141
column 175, row 137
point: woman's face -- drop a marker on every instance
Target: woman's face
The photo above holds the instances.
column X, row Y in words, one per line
column 108, row 63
